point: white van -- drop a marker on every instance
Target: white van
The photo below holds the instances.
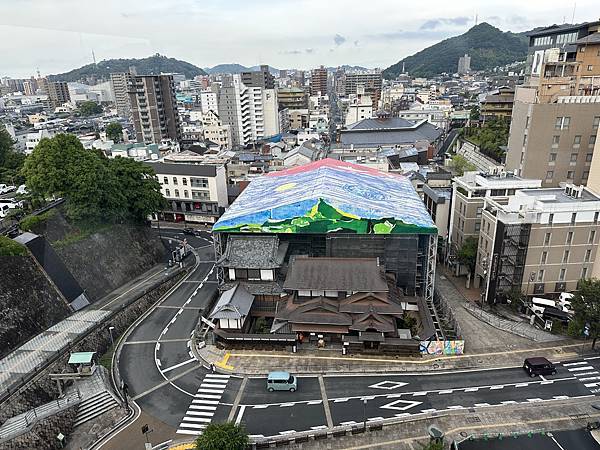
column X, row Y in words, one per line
column 539, row 304
column 564, row 302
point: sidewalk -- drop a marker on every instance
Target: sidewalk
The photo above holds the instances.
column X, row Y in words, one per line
column 36, row 352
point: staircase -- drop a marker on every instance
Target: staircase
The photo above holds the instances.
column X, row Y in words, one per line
column 94, row 406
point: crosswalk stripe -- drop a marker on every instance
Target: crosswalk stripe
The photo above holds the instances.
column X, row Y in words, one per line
column 196, row 419
column 211, row 391
column 194, row 432
column 585, row 374
column 215, row 375
column 201, row 413
column 210, row 396
column 202, row 407
column 215, row 380
column 578, row 369
column 589, row 379
column 192, row 425
column 575, row 363
column 205, row 402
column 592, row 385
column 213, row 386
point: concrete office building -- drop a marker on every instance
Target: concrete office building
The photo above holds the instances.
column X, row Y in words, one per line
column 58, row 93
column 498, row 105
column 318, row 81
column 541, row 242
column 209, row 100
column 359, row 108
column 261, row 78
column 292, row 98
column 556, row 114
column 194, row 192
column 464, row 64
column 120, row 86
column 371, row 82
column 468, row 197
column 154, row 108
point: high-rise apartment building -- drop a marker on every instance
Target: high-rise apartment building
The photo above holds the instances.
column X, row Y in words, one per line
column 318, row 81
column 260, row 78
column 250, row 111
column 58, row 93
column 119, row 83
column 292, row 98
column 464, row 64
column 371, row 82
column 556, row 114
column 154, row 108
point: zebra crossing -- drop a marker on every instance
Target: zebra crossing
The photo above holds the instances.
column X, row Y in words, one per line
column 204, row 404
column 584, row 372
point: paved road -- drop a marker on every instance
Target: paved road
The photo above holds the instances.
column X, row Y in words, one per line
column 169, row 385
column 156, row 361
column 561, row 440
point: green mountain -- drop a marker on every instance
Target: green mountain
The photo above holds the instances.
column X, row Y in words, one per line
column 487, row 45
column 153, row 65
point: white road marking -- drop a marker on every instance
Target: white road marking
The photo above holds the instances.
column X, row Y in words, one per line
column 352, row 422
column 445, row 391
column 589, row 379
column 205, row 402
column 238, row 419
column 213, row 385
column 533, row 400
column 157, row 346
column 340, row 400
column 586, row 374
column 574, row 364
column 518, row 385
column 216, row 397
column 192, row 425
column 217, row 375
column 373, row 419
column 178, row 365
column 283, row 405
column 314, row 402
column 500, row 386
column 592, row 385
column 480, row 405
column 203, row 408
column 157, row 361
column 509, row 402
column 197, row 419
column 319, row 427
column 195, row 433
column 389, row 385
column 560, row 397
column 200, row 413
column 456, row 407
column 211, row 391
column 579, row 369
column 471, row 389
column 259, row 406
column 287, row 432
column 419, row 394
column 400, row 405
column 429, row 410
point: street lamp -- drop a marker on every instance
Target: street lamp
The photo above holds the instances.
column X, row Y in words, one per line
column 484, row 265
column 529, row 280
column 112, row 339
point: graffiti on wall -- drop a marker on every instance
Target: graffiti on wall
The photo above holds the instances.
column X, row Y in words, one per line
column 442, row 347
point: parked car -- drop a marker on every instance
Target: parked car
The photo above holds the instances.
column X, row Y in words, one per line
column 538, row 366
column 281, row 381
column 191, row 231
column 5, row 189
column 22, row 190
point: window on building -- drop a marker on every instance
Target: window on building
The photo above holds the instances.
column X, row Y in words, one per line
column 596, row 123
column 573, row 157
column 488, row 227
column 577, row 141
column 590, row 67
column 524, row 140
column 565, row 258
column 596, row 214
column 167, row 192
column 562, row 274
column 184, row 181
column 199, row 182
column 588, row 157
column 550, row 218
column 562, row 123
column 186, row 194
column 478, row 213
column 588, row 255
column 592, row 237
column 573, row 218
column 549, row 174
column 176, row 192
column 552, row 157
column 241, row 274
column 477, row 226
column 547, row 238
column 585, row 175
column 254, row 274
column 165, row 180
column 540, row 276
column 570, row 175
column 584, row 272
column 544, row 257
column 555, row 141
column 592, row 140
column 175, row 181
column 569, row 238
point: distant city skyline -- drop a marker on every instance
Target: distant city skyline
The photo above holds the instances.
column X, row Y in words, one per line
column 57, row 37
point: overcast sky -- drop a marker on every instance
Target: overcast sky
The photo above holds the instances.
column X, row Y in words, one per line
column 58, row 35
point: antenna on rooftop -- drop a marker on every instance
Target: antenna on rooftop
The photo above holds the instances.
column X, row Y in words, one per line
column 574, row 8
column 94, row 57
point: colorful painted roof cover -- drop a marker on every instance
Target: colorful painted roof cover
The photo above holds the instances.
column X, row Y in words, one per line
column 328, row 196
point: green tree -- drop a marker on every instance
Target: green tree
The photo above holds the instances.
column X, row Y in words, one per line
column 223, row 436
column 138, row 184
column 586, row 305
column 90, row 108
column 10, row 161
column 114, row 131
column 467, row 255
column 97, row 190
column 461, row 165
column 8, row 247
column 433, row 446
column 474, row 115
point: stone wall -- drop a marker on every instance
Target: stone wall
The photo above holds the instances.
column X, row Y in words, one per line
column 29, row 303
column 42, row 390
column 43, row 435
column 107, row 259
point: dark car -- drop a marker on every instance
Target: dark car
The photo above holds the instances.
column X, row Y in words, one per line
column 189, row 231
column 539, row 366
